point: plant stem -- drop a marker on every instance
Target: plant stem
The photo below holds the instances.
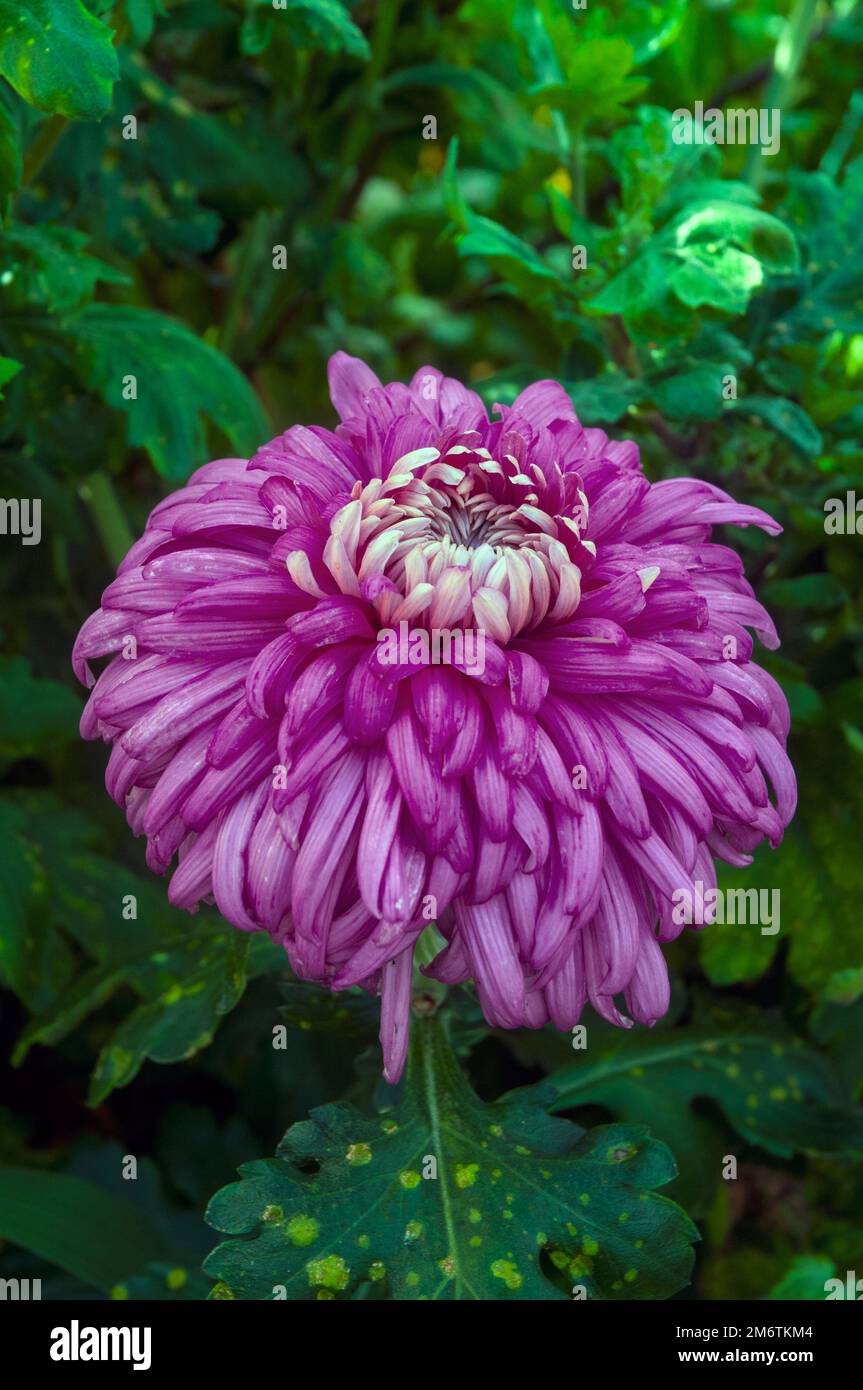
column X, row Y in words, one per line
column 249, row 255
column 43, row 146
column 790, row 51
column 580, row 171
column 836, row 152
column 386, row 20
column 98, row 493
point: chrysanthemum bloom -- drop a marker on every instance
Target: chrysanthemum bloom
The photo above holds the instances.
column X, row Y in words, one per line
column 551, row 805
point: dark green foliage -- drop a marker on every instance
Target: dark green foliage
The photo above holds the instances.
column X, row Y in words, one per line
column 55, row 1216
column 773, row 1091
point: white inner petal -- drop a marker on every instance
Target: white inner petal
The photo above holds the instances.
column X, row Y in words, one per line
column 463, row 542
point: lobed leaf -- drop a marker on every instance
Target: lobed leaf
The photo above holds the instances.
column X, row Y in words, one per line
column 521, row 1206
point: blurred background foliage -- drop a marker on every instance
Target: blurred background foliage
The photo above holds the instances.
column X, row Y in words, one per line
column 280, row 200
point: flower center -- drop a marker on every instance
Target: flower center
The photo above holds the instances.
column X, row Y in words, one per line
column 460, row 540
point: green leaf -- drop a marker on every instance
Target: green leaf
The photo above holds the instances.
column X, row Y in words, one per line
column 817, row 870
column 730, row 952
column 163, row 1283
column 819, row 591
column 480, row 99
column 8, row 369
column 74, row 1224
column 819, row 866
column 444, row 77
column 773, row 1090
column 708, row 225
column 86, row 892
column 33, row 713
column 715, row 252
column 358, row 278
column 186, row 973
column 719, row 277
column 188, row 984
column 828, row 215
column 453, row 198
column 208, row 977
column 639, row 286
column 179, row 379
column 647, row 26
column 646, row 160
column 17, row 872
column 839, row 1027
column 35, row 959
column 691, row 392
column 318, row 24
column 10, row 151
column 350, row 1013
column 58, row 56
column 596, row 83
column 805, row 1279
column 786, row 418
column 489, row 239
column 47, row 269
column 605, row 399
column 345, row 1202
column 141, row 15
column 529, row 24
column 194, row 151
column 515, row 260
column 256, row 31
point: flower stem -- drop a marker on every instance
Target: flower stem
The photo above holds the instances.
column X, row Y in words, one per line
column 428, row 994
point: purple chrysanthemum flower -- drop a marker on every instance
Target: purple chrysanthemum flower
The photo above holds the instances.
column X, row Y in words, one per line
column 549, row 804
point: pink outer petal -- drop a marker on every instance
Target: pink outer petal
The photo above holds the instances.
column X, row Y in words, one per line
column 350, row 383
column 395, row 1013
